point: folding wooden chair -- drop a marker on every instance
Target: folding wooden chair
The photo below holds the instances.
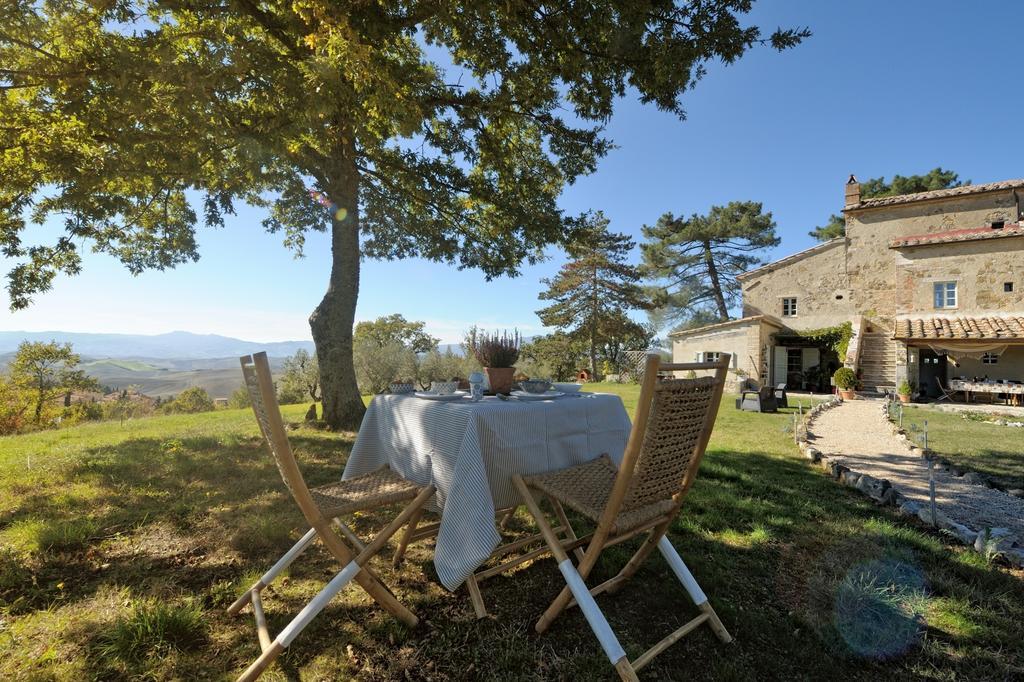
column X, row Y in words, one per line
column 673, row 423
column 946, row 392
column 320, row 506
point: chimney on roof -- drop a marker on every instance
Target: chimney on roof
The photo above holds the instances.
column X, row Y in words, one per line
column 852, row 191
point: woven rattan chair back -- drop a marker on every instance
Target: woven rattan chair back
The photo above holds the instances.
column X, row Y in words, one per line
column 673, row 422
column 258, row 381
column 671, row 440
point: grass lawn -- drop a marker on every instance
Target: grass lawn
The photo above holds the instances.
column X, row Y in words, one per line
column 996, row 452
column 121, row 547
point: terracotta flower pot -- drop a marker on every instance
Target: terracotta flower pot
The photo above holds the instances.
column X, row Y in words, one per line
column 847, row 394
column 500, row 379
column 904, row 398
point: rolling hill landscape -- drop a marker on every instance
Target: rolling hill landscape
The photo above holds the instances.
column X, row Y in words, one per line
column 159, row 365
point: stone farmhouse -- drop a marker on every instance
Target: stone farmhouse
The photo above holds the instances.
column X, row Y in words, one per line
column 925, row 287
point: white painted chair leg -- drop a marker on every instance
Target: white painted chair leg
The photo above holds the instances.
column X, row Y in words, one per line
column 675, row 562
column 678, row 567
column 598, row 623
column 289, row 557
column 284, row 562
column 310, row 611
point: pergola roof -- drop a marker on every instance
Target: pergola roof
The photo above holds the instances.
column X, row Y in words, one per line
column 1009, row 328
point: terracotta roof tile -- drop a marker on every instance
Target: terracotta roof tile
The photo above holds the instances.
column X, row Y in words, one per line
column 938, row 194
column 728, row 323
column 987, row 328
column 972, row 234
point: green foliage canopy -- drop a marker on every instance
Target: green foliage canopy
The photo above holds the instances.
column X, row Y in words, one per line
column 396, row 329
column 116, row 113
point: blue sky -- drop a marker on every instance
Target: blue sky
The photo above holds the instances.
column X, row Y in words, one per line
column 881, row 88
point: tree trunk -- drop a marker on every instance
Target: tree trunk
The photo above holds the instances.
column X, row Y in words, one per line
column 593, row 327
column 331, row 323
column 716, row 286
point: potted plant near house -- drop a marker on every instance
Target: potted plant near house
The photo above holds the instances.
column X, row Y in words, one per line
column 498, row 354
column 905, row 390
column 846, row 381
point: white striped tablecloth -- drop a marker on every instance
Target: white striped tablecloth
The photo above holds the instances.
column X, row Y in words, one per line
column 469, row 452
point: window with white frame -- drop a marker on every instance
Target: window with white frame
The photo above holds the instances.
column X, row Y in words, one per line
column 945, row 294
column 708, row 356
column 989, row 359
column 789, row 307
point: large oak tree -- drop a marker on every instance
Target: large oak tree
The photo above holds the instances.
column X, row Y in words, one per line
column 440, row 129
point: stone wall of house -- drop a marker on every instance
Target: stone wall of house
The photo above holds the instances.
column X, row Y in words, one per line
column 818, row 282
column 980, row 269
column 738, row 340
column 870, row 262
column 1009, row 365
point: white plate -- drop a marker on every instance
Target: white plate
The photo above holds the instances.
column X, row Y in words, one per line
column 458, row 395
column 523, row 395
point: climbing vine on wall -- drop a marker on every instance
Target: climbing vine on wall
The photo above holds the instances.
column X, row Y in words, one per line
column 835, row 338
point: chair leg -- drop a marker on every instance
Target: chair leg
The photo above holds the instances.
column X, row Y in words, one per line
column 353, row 570
column 473, row 587
column 563, row 520
column 284, row 562
column 675, row 562
column 578, row 589
column 299, row 623
column 403, row 544
column 637, row 560
column 507, row 517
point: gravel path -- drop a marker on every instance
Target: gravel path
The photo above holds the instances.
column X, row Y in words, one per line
column 858, row 436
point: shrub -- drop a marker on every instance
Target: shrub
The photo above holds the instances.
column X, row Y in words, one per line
column 81, row 412
column 190, row 401
column 845, row 378
column 905, row 388
column 240, row 398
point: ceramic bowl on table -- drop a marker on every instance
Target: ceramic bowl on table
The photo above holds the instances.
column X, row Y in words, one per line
column 443, row 387
column 535, row 386
column 567, row 388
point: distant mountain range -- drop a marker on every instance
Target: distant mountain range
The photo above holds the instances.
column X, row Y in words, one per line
column 164, row 364
column 173, row 345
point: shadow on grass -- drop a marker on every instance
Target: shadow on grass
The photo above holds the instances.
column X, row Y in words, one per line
column 792, row 562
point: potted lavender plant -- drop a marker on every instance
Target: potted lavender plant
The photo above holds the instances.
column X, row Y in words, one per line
column 498, row 354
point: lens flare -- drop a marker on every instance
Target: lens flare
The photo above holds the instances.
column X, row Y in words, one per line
column 879, row 608
column 338, row 212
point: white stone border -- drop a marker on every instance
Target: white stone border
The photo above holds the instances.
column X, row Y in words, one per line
column 882, row 492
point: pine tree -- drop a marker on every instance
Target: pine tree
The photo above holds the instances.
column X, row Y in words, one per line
column 593, row 291
column 878, row 187
column 694, row 261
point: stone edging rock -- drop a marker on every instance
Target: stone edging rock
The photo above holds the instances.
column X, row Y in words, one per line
column 883, row 493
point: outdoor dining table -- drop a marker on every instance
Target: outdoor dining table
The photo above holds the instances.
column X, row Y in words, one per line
column 1014, row 391
column 470, row 450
